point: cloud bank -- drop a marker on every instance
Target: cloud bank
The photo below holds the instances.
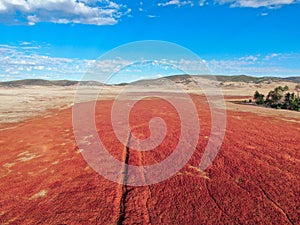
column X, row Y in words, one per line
column 257, row 3
column 24, row 61
column 232, row 3
column 103, row 12
column 177, row 3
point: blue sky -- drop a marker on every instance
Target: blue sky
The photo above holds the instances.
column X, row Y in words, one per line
column 59, row 39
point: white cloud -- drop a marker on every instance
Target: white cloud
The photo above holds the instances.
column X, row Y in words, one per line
column 249, row 58
column 270, row 56
column 202, row 2
column 274, row 64
column 19, row 62
column 177, row 3
column 104, row 12
column 257, row 3
column 152, row 16
column 25, row 43
column 16, row 62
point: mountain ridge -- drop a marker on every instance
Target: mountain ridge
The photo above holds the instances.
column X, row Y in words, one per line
column 182, row 78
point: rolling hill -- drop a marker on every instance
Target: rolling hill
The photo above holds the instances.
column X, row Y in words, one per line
column 183, row 79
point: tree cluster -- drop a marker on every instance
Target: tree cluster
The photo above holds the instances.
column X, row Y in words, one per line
column 279, row 98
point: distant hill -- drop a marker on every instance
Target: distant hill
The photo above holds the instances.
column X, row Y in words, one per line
column 186, row 79
column 41, row 82
column 244, row 78
column 257, row 80
column 183, row 79
column 294, row 79
column 247, row 79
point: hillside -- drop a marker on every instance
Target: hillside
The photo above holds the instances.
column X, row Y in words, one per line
column 183, row 79
column 239, row 78
column 41, row 82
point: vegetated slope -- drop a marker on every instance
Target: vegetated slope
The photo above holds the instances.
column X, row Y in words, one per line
column 247, row 79
column 181, row 78
column 239, row 78
column 190, row 79
column 41, row 82
column 253, row 180
column 293, row 79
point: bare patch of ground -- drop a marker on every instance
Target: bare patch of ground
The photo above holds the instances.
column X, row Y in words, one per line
column 24, row 102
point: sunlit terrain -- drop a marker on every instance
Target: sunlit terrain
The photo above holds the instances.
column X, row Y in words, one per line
column 254, row 178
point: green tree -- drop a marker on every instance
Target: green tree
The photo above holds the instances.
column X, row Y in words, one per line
column 289, row 97
column 280, row 98
column 274, row 97
column 259, row 98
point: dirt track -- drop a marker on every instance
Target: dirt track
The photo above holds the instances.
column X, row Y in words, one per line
column 254, row 179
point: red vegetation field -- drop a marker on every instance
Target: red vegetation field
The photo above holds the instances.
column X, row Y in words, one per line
column 253, row 180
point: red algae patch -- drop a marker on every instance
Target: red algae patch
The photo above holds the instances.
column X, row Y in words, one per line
column 253, row 180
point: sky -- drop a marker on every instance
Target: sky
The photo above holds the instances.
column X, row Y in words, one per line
column 61, row 39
